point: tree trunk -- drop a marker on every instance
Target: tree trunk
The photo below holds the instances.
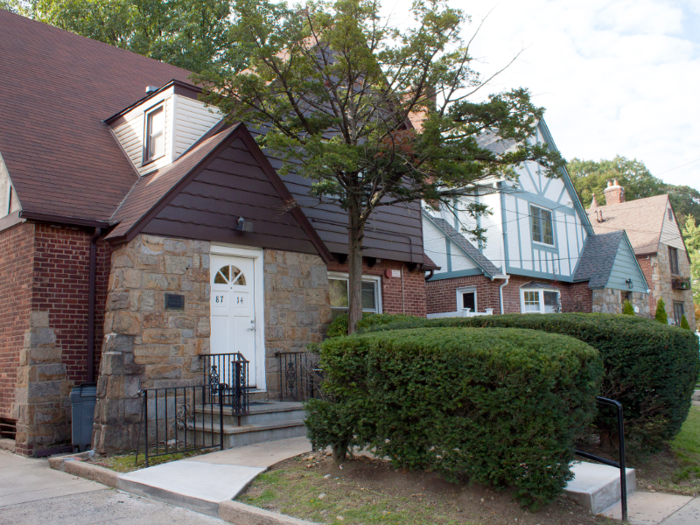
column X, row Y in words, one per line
column 356, row 231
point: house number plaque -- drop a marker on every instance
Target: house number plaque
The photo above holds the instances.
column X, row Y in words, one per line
column 174, row 301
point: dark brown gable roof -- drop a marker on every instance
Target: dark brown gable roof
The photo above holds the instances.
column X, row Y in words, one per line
column 56, row 89
column 642, row 219
column 201, row 195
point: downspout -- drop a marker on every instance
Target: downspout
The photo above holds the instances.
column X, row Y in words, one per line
column 500, row 293
column 403, row 300
column 91, row 307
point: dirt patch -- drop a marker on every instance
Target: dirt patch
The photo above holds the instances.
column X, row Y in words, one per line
column 367, row 491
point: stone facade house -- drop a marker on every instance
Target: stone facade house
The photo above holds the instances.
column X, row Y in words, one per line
column 139, row 232
column 540, row 252
column 653, row 229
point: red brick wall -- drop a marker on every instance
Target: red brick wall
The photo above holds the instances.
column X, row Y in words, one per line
column 442, row 294
column 411, row 300
column 16, row 256
column 61, row 284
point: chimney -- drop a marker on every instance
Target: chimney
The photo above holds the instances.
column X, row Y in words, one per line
column 594, row 203
column 614, row 193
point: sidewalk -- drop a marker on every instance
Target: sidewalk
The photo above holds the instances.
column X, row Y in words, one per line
column 657, row 508
column 202, row 482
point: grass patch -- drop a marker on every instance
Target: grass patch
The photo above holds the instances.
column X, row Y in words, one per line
column 676, row 469
column 127, row 462
column 367, row 491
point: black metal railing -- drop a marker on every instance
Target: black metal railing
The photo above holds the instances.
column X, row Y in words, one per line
column 299, row 375
column 621, row 464
column 171, row 425
column 227, row 374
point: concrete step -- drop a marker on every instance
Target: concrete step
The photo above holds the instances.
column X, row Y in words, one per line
column 596, row 487
column 260, row 413
column 238, row 436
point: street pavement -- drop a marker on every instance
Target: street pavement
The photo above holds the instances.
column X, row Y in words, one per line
column 31, row 493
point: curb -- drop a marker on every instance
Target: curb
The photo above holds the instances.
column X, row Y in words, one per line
column 77, row 467
column 242, row 514
column 231, row 511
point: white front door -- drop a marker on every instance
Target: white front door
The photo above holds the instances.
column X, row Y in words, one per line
column 233, row 323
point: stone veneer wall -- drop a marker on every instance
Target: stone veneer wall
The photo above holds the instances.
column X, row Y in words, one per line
column 609, row 301
column 146, row 346
column 297, row 307
column 660, row 283
column 42, row 402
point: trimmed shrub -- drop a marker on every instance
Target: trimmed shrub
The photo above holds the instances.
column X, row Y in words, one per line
column 650, row 367
column 499, row 406
column 627, row 308
column 684, row 323
column 661, row 315
column 339, row 325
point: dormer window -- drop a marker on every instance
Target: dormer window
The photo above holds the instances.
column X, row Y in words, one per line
column 155, row 135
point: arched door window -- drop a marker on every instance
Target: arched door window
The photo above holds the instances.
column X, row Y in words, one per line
column 230, row 275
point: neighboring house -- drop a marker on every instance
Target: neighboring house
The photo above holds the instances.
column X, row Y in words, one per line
column 136, row 221
column 653, row 230
column 540, row 253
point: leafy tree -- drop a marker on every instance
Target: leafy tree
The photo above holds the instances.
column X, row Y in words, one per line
column 590, row 177
column 186, row 33
column 661, row 315
column 335, row 88
column 684, row 323
column 691, row 234
column 627, row 308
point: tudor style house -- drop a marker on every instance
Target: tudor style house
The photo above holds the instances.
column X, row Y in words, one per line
column 139, row 231
column 540, row 253
column 655, row 234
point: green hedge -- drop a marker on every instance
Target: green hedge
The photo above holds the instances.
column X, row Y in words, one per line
column 499, row 406
column 650, row 367
column 339, row 325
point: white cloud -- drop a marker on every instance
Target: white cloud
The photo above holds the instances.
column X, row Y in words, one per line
column 616, row 76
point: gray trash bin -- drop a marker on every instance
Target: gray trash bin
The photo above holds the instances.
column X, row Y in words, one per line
column 83, row 400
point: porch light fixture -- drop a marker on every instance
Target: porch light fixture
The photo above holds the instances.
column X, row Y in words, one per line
column 244, row 226
column 629, row 283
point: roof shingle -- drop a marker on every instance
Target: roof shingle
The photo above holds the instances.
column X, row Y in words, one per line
column 56, row 89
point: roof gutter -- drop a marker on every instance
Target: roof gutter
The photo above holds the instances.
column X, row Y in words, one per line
column 59, row 219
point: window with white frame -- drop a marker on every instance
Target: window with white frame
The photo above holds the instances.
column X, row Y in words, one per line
column 540, row 300
column 466, row 298
column 155, row 134
column 340, row 298
column 541, row 225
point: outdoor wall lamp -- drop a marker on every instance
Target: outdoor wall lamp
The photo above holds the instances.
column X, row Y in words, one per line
column 244, row 226
column 629, row 283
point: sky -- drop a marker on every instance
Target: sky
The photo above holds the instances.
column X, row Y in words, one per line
column 616, row 77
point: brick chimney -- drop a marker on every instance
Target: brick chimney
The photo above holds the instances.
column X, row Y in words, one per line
column 614, row 193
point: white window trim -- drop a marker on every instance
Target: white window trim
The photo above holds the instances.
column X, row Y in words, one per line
column 467, row 289
column 541, row 295
column 258, row 269
column 367, row 279
column 551, row 214
column 147, row 136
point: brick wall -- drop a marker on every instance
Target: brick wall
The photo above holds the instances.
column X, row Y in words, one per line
column 16, row 256
column 61, row 285
column 442, row 294
column 409, row 299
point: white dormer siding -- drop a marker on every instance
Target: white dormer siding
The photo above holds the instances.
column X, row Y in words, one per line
column 9, row 203
column 186, row 121
column 192, row 120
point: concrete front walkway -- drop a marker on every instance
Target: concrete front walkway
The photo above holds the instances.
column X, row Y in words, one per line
column 201, row 482
column 657, row 508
